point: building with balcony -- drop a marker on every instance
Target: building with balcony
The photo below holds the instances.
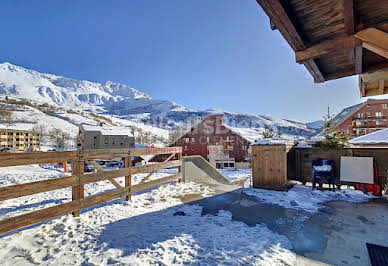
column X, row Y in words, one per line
column 19, row 140
column 216, row 142
column 362, row 119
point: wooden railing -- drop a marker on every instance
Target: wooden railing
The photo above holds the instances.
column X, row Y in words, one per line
column 78, row 179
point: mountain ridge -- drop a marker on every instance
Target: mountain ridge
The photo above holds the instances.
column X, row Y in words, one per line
column 126, row 103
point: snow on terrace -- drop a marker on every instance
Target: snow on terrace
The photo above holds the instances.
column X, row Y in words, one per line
column 143, row 231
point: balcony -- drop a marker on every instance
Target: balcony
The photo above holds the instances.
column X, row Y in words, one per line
column 369, row 118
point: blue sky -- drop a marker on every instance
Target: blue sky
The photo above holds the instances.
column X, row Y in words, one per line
column 199, row 53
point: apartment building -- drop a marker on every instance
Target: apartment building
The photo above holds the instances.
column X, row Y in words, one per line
column 362, row 119
column 19, row 140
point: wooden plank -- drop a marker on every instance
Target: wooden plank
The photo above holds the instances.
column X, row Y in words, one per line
column 100, row 169
column 96, row 166
column 349, row 16
column 101, row 176
column 180, row 167
column 27, row 219
column 327, row 47
column 155, row 151
column 14, row 159
column 128, row 178
column 26, row 189
column 358, row 60
column 20, row 221
column 155, row 183
column 77, row 169
column 151, row 167
column 374, row 40
column 24, row 158
column 376, row 49
column 312, row 67
column 20, row 190
column 154, row 171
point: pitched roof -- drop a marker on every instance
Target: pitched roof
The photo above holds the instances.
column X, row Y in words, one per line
column 110, row 131
column 378, row 137
column 342, row 116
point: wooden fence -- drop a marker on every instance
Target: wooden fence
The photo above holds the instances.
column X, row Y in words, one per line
column 78, row 179
column 299, row 161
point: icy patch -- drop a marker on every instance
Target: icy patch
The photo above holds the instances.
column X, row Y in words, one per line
column 304, row 198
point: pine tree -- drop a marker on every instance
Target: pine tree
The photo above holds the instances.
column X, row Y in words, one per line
column 334, row 137
column 268, row 132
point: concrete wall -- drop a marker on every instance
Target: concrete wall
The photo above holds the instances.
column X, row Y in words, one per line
column 197, row 169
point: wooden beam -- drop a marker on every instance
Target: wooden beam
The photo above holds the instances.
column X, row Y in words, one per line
column 351, row 72
column 30, row 218
column 155, row 183
column 20, row 190
column 154, row 171
column 152, row 167
column 100, row 169
column 78, row 191
column 314, row 71
column 327, row 47
column 374, row 40
column 96, row 166
column 128, row 177
column 348, row 6
column 358, row 60
column 363, row 94
column 24, row 158
column 283, row 23
column 376, row 49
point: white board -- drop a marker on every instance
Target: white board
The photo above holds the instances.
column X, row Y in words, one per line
column 357, row 169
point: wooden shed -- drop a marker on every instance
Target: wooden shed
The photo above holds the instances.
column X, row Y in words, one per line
column 269, row 166
column 334, row 38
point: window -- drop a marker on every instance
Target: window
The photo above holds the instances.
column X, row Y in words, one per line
column 346, row 131
column 385, row 105
column 231, row 165
column 226, row 164
column 207, row 139
column 379, row 114
column 218, row 165
column 193, row 140
column 187, row 140
column 379, row 122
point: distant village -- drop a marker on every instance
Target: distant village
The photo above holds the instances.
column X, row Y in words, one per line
column 210, row 137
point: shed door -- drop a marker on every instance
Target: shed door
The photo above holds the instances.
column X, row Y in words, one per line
column 269, row 167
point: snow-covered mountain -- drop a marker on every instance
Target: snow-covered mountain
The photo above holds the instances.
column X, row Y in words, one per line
column 122, row 104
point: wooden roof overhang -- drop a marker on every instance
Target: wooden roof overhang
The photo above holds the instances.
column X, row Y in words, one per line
column 333, row 38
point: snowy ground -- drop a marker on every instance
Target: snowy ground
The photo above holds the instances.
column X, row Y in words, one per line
column 146, row 231
column 233, row 175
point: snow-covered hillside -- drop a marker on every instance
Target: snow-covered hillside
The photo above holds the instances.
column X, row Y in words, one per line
column 122, row 104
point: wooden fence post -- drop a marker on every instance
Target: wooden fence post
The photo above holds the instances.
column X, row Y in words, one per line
column 128, row 178
column 77, row 168
column 180, row 167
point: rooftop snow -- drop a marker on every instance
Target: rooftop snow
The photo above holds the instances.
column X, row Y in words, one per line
column 378, row 137
column 109, row 131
